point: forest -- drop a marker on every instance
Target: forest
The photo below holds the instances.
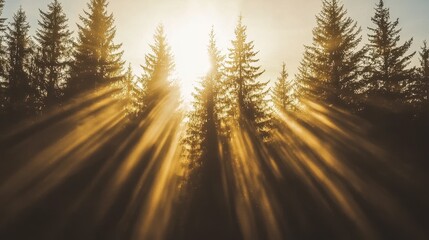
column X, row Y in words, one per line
column 90, row 150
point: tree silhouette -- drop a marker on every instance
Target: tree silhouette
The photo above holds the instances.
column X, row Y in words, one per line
column 3, row 80
column 330, row 69
column 2, row 20
column 203, row 126
column 97, row 59
column 202, row 142
column 305, row 87
column 283, row 91
column 247, row 103
column 21, row 91
column 388, row 73
column 424, row 75
column 157, row 72
column 55, row 44
column 129, row 93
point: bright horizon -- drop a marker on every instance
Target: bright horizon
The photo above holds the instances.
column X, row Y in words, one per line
column 279, row 36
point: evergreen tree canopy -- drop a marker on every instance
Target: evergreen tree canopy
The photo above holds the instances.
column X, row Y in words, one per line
column 2, row 20
column 21, row 91
column 305, row 88
column 203, row 125
column 388, row 60
column 55, row 44
column 283, row 90
column 247, row 95
column 424, row 74
column 331, row 66
column 97, row 59
column 3, row 82
column 157, row 71
column 129, row 92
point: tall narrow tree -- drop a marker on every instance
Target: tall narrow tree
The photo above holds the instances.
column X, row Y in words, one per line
column 97, row 59
column 305, row 89
column 20, row 89
column 202, row 148
column 2, row 20
column 157, row 72
column 424, row 75
column 330, row 69
column 129, row 92
column 55, row 44
column 204, row 119
column 283, row 90
column 389, row 61
column 247, row 93
column 3, row 80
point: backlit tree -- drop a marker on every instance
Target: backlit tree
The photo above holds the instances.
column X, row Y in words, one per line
column 158, row 69
column 3, row 80
column 55, row 45
column 283, row 91
column 247, row 94
column 331, row 68
column 20, row 89
column 388, row 66
column 97, row 59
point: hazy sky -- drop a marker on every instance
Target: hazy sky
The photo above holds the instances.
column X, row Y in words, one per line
column 279, row 28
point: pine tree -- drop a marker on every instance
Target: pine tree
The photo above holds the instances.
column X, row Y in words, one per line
column 36, row 76
column 3, row 80
column 201, row 143
column 330, row 69
column 55, row 45
column 283, row 91
column 305, row 87
column 203, row 125
column 129, row 92
column 21, row 91
column 424, row 75
column 247, row 95
column 388, row 60
column 157, row 72
column 2, row 20
column 97, row 59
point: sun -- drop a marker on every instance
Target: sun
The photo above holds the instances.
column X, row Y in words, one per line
column 189, row 41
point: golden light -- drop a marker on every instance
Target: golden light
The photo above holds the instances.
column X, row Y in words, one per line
column 189, row 39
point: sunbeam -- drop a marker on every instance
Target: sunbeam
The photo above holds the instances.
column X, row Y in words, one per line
column 213, row 137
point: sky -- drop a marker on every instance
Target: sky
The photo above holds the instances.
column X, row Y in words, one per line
column 279, row 28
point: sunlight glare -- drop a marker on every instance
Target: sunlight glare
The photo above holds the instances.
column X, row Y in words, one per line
column 189, row 40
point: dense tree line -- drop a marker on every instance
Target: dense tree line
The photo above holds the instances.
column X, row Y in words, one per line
column 337, row 70
column 340, row 75
column 41, row 72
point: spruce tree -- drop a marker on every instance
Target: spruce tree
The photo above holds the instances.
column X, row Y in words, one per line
column 2, row 20
column 3, row 80
column 21, row 91
column 247, row 94
column 282, row 92
column 36, row 76
column 157, row 72
column 330, row 71
column 388, row 72
column 305, row 89
column 202, row 148
column 424, row 72
column 203, row 125
column 97, row 59
column 55, row 45
column 129, row 92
